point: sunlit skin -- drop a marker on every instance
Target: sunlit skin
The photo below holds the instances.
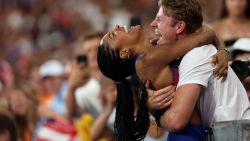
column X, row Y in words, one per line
column 164, row 27
column 159, row 74
column 133, row 41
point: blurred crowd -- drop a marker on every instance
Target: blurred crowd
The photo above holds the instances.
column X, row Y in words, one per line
column 51, row 88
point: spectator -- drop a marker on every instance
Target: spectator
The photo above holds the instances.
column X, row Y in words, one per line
column 6, row 82
column 22, row 69
column 241, row 61
column 235, row 20
column 103, row 126
column 52, row 100
column 89, row 46
column 83, row 92
column 84, row 87
column 22, row 105
column 6, row 74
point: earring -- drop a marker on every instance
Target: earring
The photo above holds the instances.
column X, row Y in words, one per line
column 125, row 54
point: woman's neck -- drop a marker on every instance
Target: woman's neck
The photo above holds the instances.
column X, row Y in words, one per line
column 236, row 19
column 141, row 47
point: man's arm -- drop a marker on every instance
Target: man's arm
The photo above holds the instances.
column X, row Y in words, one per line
column 166, row 53
column 195, row 73
column 181, row 109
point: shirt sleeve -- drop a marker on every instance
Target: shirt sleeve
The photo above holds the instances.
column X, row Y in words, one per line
column 196, row 66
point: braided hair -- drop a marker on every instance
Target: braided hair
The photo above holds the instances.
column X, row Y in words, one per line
column 127, row 127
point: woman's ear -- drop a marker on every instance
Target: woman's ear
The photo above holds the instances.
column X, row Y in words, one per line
column 125, row 53
column 180, row 27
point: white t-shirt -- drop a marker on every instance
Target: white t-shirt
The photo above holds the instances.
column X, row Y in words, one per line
column 87, row 97
column 219, row 101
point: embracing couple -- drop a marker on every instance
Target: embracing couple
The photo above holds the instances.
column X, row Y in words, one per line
column 199, row 99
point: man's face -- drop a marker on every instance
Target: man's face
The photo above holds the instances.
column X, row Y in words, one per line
column 164, row 27
column 91, row 47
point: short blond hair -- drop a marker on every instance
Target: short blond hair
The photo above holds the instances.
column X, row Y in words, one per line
column 188, row 11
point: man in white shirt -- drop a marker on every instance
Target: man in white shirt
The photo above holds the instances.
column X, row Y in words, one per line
column 216, row 100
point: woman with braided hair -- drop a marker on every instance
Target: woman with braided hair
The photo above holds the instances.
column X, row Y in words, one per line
column 123, row 53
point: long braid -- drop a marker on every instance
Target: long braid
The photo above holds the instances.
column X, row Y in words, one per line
column 124, row 120
column 142, row 118
column 127, row 126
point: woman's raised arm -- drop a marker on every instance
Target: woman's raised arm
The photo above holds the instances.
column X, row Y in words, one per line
column 168, row 52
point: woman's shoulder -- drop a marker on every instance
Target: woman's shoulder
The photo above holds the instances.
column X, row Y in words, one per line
column 218, row 24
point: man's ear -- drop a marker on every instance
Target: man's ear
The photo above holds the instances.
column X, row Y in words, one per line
column 180, row 27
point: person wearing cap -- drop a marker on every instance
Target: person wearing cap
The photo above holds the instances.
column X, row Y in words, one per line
column 52, row 100
column 241, row 49
column 240, row 54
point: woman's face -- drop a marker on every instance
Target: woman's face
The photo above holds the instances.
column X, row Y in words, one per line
column 120, row 38
column 18, row 102
column 236, row 7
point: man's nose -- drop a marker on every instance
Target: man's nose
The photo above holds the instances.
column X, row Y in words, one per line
column 153, row 24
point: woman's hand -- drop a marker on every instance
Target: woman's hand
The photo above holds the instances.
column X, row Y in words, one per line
column 159, row 99
column 220, row 61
